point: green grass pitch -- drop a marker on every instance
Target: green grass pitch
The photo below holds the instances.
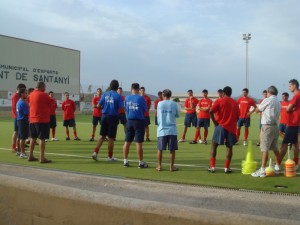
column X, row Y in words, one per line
column 192, row 160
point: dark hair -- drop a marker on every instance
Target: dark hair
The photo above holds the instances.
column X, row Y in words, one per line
column 227, row 90
column 66, row 93
column 120, row 88
column 40, row 85
column 159, row 93
column 204, row 91
column 135, row 86
column 220, row 91
column 167, row 93
column 22, row 91
column 114, row 84
column 21, row 86
column 30, row 90
column 285, row 94
column 294, row 82
column 265, row 91
column 273, row 90
column 143, row 88
column 246, row 90
column 50, row 92
column 190, row 91
column 99, row 89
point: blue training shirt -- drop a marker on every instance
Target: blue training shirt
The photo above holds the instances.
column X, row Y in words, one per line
column 167, row 112
column 135, row 107
column 110, row 103
column 22, row 110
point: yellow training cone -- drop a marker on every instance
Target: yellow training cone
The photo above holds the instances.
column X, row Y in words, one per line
column 270, row 171
column 249, row 165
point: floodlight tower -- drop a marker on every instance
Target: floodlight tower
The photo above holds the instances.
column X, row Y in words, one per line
column 246, row 38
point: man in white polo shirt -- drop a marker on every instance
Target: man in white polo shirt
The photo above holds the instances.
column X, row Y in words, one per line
column 270, row 108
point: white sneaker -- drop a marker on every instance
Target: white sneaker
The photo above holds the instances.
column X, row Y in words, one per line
column 95, row 156
column 23, row 156
column 245, row 143
column 181, row 140
column 112, row 159
column 259, row 173
column 46, row 140
column 54, row 139
column 201, row 142
column 277, row 169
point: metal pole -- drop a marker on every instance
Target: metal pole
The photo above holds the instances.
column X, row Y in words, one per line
column 247, row 66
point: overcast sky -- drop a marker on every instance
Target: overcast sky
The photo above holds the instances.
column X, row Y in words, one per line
column 175, row 44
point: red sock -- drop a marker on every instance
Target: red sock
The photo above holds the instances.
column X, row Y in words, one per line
column 75, row 134
column 110, row 154
column 13, row 146
column 92, row 136
column 197, row 134
column 68, row 133
column 296, row 160
column 53, row 132
column 278, row 161
column 96, row 150
column 205, row 134
column 246, row 134
column 227, row 163
column 212, row 162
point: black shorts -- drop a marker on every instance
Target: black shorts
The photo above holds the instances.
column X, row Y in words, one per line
column 244, row 122
column 52, row 122
column 190, row 119
column 69, row 123
column 168, row 141
column 291, row 135
column 40, row 130
column 122, row 118
column 109, row 125
column 135, row 130
column 23, row 129
column 96, row 120
column 221, row 134
column 147, row 121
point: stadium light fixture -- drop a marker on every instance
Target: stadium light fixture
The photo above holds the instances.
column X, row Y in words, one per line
column 246, row 38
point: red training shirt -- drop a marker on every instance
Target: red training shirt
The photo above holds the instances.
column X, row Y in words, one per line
column 245, row 104
column 69, row 107
column 190, row 103
column 97, row 112
column 283, row 112
column 53, row 106
column 204, row 103
column 39, row 107
column 228, row 113
column 122, row 110
column 156, row 103
column 148, row 103
column 293, row 118
column 14, row 100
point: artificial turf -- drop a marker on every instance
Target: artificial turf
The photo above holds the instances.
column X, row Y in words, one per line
column 192, row 160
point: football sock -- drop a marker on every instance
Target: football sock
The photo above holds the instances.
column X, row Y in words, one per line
column 205, row 134
column 96, row 150
column 212, row 162
column 227, row 163
column 92, row 136
column 110, row 154
column 68, row 133
column 296, row 160
column 13, row 146
column 246, row 134
column 197, row 133
column 75, row 134
column 53, row 132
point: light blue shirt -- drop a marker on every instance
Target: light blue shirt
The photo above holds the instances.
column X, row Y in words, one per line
column 167, row 112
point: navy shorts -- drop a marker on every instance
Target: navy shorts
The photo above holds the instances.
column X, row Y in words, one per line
column 169, row 141
column 221, row 134
column 96, row 120
column 15, row 125
column 52, row 122
column 23, row 131
column 203, row 122
column 190, row 119
column 135, row 130
column 69, row 123
column 147, row 121
column 243, row 122
column 282, row 128
column 109, row 125
column 122, row 118
column 39, row 130
column 291, row 135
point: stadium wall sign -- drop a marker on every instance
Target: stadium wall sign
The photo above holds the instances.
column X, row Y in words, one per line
column 24, row 61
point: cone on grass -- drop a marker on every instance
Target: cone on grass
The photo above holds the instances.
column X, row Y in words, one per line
column 289, row 166
column 249, row 165
column 270, row 171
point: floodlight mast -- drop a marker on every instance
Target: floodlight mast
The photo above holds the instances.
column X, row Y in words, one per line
column 246, row 38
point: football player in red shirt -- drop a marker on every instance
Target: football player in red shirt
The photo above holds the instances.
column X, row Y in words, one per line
column 160, row 98
column 69, row 107
column 190, row 105
column 97, row 112
column 225, row 128
column 203, row 120
column 147, row 113
column 283, row 117
column 245, row 104
column 53, row 107
column 122, row 115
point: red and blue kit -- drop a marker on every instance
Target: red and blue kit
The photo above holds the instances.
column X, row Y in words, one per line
column 293, row 118
column 69, row 107
column 283, row 116
column 204, row 103
column 53, row 106
column 245, row 104
column 191, row 103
